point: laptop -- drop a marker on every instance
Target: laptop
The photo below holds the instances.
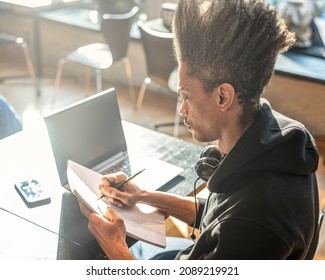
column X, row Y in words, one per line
column 90, row 133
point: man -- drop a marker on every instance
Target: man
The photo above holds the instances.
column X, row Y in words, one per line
column 264, row 199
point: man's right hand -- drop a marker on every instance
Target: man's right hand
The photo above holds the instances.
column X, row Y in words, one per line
column 128, row 195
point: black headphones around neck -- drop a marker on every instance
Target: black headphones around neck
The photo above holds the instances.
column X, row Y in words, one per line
column 210, row 159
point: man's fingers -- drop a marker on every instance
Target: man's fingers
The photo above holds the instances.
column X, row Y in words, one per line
column 116, row 202
column 113, row 179
column 111, row 215
column 84, row 209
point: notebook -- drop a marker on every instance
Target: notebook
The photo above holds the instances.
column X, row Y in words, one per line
column 90, row 133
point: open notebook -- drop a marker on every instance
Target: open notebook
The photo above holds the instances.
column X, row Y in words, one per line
column 142, row 222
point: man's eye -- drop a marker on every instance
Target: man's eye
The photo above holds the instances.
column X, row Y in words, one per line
column 183, row 95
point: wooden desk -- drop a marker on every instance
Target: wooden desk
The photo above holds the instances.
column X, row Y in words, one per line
column 301, row 66
column 297, row 89
column 28, row 155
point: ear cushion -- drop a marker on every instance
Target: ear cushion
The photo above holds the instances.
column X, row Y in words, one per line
column 205, row 167
column 211, row 151
column 209, row 161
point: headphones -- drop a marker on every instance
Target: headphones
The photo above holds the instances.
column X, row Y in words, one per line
column 210, row 159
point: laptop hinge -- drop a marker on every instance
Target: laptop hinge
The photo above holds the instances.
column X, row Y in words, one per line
column 110, row 162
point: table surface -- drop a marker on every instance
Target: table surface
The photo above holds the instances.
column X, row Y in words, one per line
column 28, row 155
column 27, row 4
column 301, row 66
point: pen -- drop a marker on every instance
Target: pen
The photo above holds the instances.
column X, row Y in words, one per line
column 121, row 184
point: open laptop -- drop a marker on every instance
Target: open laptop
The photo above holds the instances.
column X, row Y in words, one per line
column 90, row 132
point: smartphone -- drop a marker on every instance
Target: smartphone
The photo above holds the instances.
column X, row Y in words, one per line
column 33, row 193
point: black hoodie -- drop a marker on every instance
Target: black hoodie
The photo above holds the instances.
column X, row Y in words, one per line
column 264, row 197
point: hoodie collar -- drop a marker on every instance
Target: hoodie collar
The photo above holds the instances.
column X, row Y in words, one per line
column 273, row 142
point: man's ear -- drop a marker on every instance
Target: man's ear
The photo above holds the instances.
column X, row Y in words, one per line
column 225, row 96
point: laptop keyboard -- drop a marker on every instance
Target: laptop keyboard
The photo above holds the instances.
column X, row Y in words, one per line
column 123, row 166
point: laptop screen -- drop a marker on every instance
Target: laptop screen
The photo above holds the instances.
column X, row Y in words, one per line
column 87, row 132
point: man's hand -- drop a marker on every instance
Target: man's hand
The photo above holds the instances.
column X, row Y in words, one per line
column 129, row 194
column 109, row 231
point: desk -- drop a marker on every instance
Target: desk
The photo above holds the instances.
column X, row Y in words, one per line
column 28, row 154
column 297, row 89
column 301, row 66
column 29, row 4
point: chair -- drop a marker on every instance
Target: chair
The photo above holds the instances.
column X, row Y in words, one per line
column 8, row 41
column 100, row 56
column 161, row 67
